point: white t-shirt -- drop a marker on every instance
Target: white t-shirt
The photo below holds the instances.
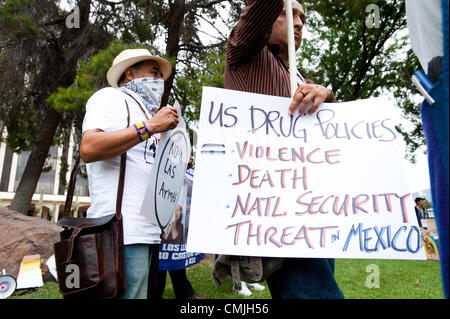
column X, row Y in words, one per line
column 106, row 110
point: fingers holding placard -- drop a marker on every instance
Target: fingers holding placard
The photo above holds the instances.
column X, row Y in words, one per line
column 307, row 98
column 165, row 119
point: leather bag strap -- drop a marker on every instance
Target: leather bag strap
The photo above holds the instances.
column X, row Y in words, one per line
column 142, row 109
column 123, row 161
column 71, row 188
column 75, row 233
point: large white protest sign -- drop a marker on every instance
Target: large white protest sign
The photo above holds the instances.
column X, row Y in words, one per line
column 329, row 184
column 167, row 175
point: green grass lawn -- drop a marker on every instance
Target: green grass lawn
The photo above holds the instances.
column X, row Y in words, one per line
column 398, row 279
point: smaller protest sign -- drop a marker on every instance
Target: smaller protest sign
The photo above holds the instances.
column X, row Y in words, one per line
column 167, row 175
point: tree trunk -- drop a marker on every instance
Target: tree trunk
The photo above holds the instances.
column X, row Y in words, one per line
column 27, row 186
column 67, row 52
column 176, row 20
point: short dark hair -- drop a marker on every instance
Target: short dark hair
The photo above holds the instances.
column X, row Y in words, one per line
column 418, row 199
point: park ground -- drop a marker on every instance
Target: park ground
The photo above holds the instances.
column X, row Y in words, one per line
column 398, row 279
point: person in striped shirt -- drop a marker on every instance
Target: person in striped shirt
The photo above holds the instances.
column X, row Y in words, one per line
column 257, row 55
column 257, row 62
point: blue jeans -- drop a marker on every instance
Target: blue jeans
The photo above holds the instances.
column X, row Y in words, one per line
column 305, row 278
column 138, row 265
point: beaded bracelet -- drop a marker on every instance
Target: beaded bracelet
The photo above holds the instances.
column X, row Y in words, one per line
column 142, row 131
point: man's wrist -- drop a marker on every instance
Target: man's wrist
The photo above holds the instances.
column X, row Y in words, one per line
column 330, row 97
column 150, row 126
column 142, row 131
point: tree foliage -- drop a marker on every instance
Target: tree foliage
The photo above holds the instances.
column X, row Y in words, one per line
column 359, row 59
column 39, row 54
column 37, row 41
column 345, row 51
column 174, row 27
column 189, row 85
column 48, row 71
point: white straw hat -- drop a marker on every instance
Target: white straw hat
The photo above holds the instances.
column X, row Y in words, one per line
column 130, row 57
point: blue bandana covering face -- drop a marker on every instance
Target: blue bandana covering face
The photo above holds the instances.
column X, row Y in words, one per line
column 150, row 90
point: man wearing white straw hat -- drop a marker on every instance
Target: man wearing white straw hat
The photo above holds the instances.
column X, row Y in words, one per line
column 137, row 85
column 258, row 62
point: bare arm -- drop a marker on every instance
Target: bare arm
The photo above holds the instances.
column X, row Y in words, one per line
column 97, row 145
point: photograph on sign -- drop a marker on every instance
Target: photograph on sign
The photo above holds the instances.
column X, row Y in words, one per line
column 172, row 251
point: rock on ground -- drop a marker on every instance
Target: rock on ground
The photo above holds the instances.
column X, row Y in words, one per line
column 22, row 235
